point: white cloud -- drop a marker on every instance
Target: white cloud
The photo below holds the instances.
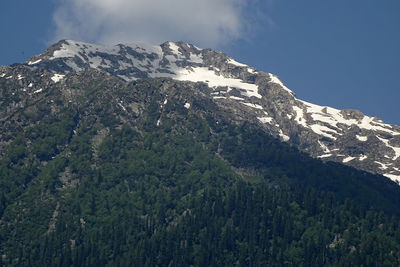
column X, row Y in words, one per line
column 207, row 23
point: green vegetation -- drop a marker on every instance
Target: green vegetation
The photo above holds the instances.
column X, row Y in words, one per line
column 91, row 191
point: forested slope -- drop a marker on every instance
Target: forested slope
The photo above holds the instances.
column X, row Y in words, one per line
column 107, row 173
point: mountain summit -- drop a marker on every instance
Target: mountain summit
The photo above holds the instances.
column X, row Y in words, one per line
column 345, row 136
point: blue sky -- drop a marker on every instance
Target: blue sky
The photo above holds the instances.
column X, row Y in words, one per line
column 344, row 54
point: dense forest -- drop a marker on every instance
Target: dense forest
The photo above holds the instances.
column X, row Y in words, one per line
column 82, row 189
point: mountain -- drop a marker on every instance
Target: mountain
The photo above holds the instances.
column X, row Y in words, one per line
column 345, row 136
column 177, row 156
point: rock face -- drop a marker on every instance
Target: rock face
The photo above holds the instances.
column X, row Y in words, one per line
column 345, row 136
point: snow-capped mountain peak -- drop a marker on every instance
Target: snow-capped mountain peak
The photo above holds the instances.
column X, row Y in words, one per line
column 346, row 136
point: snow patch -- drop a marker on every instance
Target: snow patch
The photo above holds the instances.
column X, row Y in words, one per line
column 57, row 77
column 383, row 166
column 327, row 115
column 234, row 62
column 392, row 177
column 20, row 77
column 299, row 118
column 370, row 123
column 123, row 108
column 395, row 149
column 334, row 117
column 236, row 98
column 348, row 159
column 2, row 75
column 34, row 62
column 324, row 147
column 284, row 136
column 252, row 105
column 38, row 91
column 362, row 138
column 397, row 152
column 187, row 105
column 323, row 130
column 325, row 156
column 30, row 85
column 174, row 48
column 363, row 157
column 203, row 74
column 265, row 119
column 196, row 58
column 165, row 101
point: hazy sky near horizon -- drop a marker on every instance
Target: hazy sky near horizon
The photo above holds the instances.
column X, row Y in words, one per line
column 344, row 54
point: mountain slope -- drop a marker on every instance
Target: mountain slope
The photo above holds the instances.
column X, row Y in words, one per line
column 345, row 136
column 99, row 171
